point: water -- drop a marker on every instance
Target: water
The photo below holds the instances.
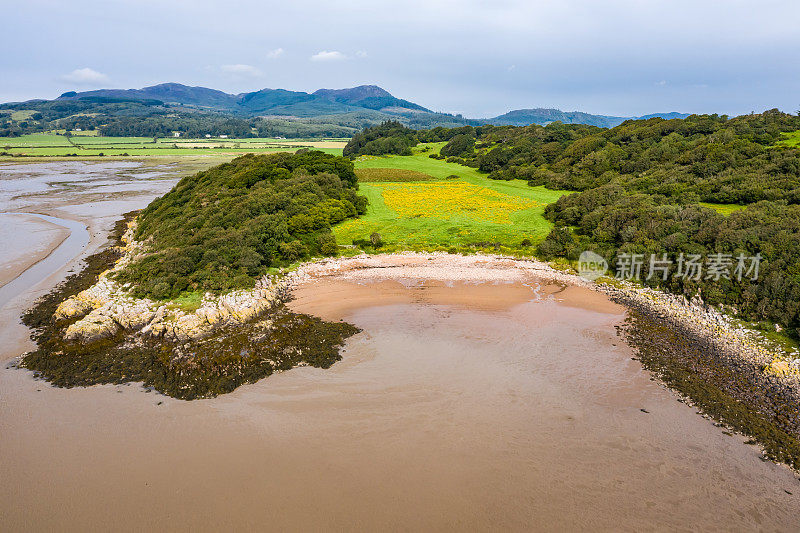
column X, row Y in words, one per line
column 68, row 249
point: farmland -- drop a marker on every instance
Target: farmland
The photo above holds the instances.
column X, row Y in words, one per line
column 86, row 144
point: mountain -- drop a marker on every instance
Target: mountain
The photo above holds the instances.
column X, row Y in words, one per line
column 162, row 110
column 278, row 102
column 330, row 102
column 369, row 97
column 525, row 117
column 169, row 93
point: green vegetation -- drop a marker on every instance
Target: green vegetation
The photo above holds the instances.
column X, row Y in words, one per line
column 723, row 209
column 390, row 174
column 391, row 137
column 701, row 185
column 456, row 206
column 224, row 227
column 790, row 139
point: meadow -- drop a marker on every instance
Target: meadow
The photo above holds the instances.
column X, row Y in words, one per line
column 88, row 144
column 454, row 207
column 790, row 139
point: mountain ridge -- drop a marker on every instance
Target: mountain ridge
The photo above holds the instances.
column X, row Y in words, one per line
column 323, row 102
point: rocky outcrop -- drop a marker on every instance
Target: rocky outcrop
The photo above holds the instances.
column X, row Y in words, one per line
column 105, row 308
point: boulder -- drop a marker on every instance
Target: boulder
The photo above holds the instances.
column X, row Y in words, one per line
column 72, row 307
column 92, row 327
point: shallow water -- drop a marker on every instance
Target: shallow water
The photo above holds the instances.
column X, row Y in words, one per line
column 52, row 212
column 70, row 247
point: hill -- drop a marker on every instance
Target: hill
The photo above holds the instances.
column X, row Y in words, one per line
column 169, row 93
column 542, row 116
column 265, row 101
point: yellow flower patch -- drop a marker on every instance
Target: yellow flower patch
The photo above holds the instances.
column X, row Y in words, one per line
column 447, row 199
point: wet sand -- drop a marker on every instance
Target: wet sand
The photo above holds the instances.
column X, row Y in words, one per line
column 441, row 416
column 461, row 405
column 25, row 239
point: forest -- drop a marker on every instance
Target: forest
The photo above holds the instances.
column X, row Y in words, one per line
column 226, row 226
column 701, row 185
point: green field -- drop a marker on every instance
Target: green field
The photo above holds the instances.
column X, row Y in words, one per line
column 83, row 144
column 723, row 209
column 447, row 212
column 791, row 139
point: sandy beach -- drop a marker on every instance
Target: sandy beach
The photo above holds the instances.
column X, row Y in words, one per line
column 478, row 394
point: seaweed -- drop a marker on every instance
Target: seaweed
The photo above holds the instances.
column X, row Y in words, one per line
column 735, row 394
column 198, row 368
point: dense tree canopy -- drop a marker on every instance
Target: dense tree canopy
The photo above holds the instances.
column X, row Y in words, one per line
column 223, row 227
column 391, row 137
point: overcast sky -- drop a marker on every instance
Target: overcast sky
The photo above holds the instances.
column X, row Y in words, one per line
column 476, row 57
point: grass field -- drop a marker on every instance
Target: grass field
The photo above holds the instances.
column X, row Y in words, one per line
column 791, row 139
column 445, row 211
column 414, row 201
column 82, row 146
column 724, row 209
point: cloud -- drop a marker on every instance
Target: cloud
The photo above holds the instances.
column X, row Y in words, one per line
column 85, row 76
column 247, row 71
column 326, row 55
column 361, row 54
column 274, row 54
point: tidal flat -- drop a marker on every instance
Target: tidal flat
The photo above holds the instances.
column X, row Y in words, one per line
column 477, row 402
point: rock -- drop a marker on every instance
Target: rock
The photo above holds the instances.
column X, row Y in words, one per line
column 190, row 327
column 72, row 307
column 135, row 316
column 92, row 327
column 780, row 368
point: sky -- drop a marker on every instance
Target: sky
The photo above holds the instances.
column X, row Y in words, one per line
column 479, row 58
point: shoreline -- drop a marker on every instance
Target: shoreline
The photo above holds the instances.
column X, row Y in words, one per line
column 73, row 240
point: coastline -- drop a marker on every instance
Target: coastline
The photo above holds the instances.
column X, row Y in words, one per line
column 731, row 374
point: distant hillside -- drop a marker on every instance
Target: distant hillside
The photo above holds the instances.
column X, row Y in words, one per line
column 542, row 116
column 264, row 102
column 171, row 109
column 370, row 97
column 170, row 93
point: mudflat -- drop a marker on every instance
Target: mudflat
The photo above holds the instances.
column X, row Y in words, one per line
column 468, row 401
